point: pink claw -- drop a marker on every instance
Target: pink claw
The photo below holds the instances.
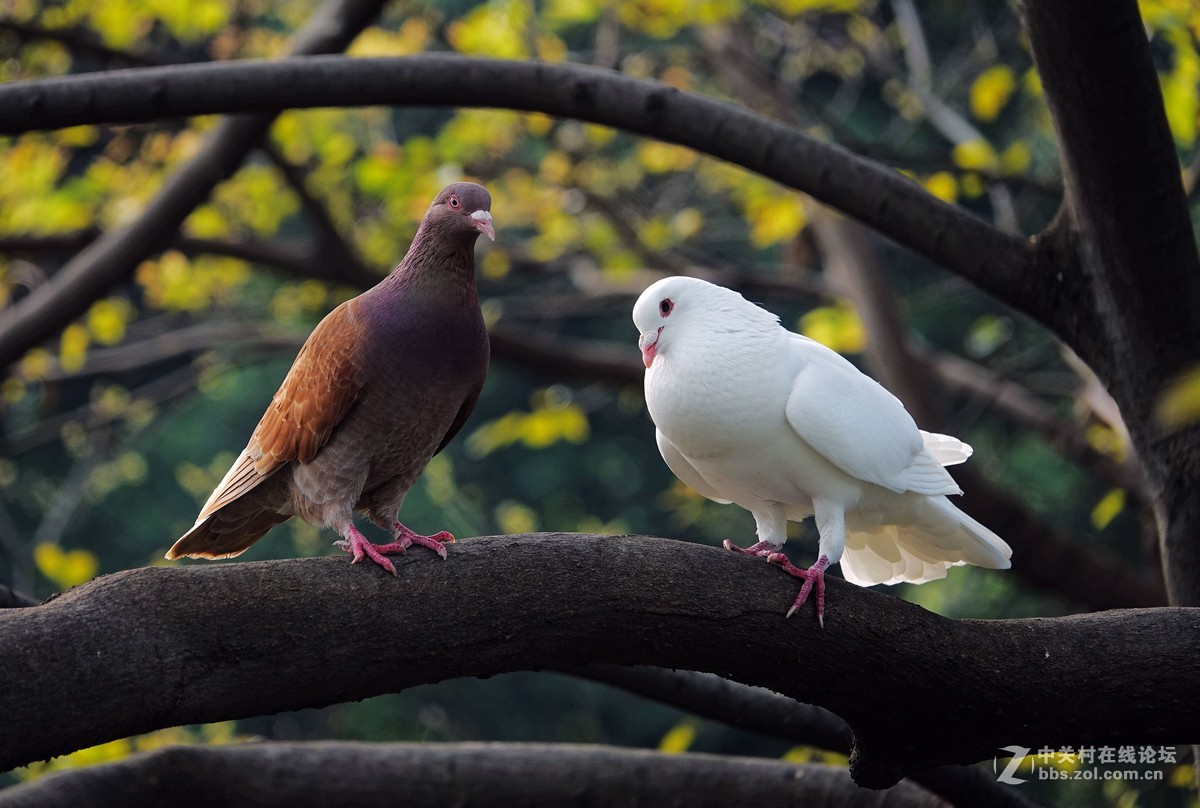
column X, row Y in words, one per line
column 813, row 575
column 357, row 545
column 406, row 538
column 763, row 548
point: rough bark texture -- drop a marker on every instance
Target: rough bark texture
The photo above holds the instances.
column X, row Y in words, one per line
column 438, row 775
column 157, row 647
column 1128, row 274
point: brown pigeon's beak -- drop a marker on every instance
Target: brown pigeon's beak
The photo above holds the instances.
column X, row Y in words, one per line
column 482, row 220
column 648, row 342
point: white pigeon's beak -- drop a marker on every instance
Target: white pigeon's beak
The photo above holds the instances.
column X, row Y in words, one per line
column 648, row 342
column 483, row 223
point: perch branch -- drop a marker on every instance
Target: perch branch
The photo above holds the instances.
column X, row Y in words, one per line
column 298, row 774
column 157, row 647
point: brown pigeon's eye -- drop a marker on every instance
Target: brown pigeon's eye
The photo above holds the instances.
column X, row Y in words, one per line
column 454, row 203
column 666, row 306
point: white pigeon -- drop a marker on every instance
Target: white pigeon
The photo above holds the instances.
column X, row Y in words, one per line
column 750, row 413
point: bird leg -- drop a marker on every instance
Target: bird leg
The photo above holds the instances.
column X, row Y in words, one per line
column 813, row 575
column 762, row 549
column 406, row 538
column 358, row 545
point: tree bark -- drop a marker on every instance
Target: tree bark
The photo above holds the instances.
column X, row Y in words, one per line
column 1129, row 280
column 437, row 775
column 899, row 208
column 156, row 647
column 758, row 710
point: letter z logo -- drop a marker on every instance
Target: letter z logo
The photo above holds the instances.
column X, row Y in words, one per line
column 1019, row 753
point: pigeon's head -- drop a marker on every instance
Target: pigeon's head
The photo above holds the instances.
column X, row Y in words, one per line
column 681, row 310
column 668, row 308
column 462, row 210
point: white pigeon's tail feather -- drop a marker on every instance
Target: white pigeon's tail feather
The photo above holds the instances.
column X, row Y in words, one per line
column 946, row 537
column 949, row 451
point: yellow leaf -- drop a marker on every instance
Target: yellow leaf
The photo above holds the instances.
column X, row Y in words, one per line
column 73, row 347
column 1180, row 97
column 35, row 364
column 1033, row 83
column 774, row 219
column 810, row 754
column 559, row 12
column 1178, row 405
column 1106, row 440
column 106, row 320
column 538, row 123
column 837, row 327
column 496, row 264
column 972, row 185
column 659, row 158
column 1183, row 776
column 513, row 517
column 495, row 29
column 687, row 223
column 78, row 136
column 679, row 738
column 977, row 155
column 1107, row 509
column 550, row 48
column 555, row 167
column 1015, row 158
column 655, row 233
column 66, row 569
column 943, row 186
column 990, row 92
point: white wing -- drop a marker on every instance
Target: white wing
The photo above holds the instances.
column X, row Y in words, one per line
column 858, row 425
column 684, row 470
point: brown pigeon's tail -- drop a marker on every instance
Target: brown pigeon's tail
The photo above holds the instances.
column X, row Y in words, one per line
column 225, row 533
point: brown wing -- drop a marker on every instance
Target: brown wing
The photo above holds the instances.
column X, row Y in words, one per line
column 464, row 412
column 324, row 382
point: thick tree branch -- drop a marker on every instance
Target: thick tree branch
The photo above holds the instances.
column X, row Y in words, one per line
column 114, row 255
column 899, row 208
column 758, row 710
column 157, row 647
column 1127, row 296
column 420, row 775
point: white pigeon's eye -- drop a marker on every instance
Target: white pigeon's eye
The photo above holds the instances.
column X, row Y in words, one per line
column 454, row 203
column 666, row 306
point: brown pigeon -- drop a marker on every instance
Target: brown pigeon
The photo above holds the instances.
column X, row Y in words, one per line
column 381, row 386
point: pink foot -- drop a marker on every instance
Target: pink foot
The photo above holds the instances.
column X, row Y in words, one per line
column 762, row 549
column 813, row 575
column 357, row 544
column 406, row 538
